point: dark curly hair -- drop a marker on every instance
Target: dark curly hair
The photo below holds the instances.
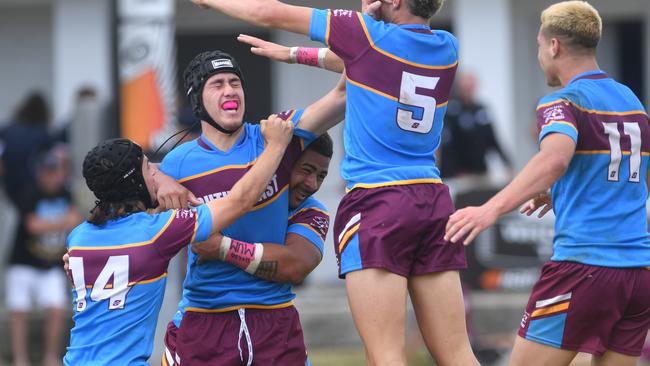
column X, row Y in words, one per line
column 425, row 8
column 323, row 145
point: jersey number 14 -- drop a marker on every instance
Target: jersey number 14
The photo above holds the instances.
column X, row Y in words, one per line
column 117, row 268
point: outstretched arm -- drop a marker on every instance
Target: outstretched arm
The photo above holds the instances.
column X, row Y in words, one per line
column 292, row 55
column 288, row 263
column 247, row 191
column 546, row 167
column 264, row 13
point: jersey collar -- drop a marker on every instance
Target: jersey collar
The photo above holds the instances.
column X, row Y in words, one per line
column 206, row 144
column 593, row 74
column 415, row 27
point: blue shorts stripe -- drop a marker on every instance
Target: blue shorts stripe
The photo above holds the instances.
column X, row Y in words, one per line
column 351, row 256
column 548, row 330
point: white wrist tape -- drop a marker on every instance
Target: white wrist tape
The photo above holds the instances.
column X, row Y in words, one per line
column 293, row 55
column 243, row 255
column 224, row 247
column 322, row 53
column 259, row 252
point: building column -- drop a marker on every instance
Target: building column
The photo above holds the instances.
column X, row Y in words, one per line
column 485, row 34
column 81, row 39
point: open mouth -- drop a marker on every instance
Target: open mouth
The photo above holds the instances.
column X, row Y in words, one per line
column 230, row 106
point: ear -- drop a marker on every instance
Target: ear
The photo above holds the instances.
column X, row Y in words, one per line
column 555, row 47
column 396, row 4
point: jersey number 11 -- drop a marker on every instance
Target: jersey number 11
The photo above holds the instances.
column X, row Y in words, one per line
column 616, row 154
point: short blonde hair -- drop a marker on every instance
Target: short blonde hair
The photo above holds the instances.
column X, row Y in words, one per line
column 575, row 21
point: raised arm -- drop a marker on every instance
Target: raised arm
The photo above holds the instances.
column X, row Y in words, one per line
column 288, row 263
column 264, row 13
column 546, row 167
column 247, row 191
column 321, row 57
column 326, row 112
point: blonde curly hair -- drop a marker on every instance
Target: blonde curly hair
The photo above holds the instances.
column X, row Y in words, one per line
column 576, row 22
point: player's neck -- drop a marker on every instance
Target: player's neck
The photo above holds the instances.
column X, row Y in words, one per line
column 219, row 139
column 405, row 17
column 575, row 66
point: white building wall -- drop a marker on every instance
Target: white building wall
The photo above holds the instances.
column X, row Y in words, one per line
column 25, row 55
column 81, row 42
column 485, row 32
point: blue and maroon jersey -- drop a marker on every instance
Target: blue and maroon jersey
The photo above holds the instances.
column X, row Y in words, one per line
column 600, row 202
column 398, row 82
column 311, row 221
column 210, row 174
column 119, row 271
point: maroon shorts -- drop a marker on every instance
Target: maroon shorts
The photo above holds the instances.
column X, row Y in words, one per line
column 245, row 337
column 397, row 228
column 170, row 358
column 589, row 309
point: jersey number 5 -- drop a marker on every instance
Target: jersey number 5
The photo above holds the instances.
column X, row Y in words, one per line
column 117, row 267
column 409, row 96
column 616, row 154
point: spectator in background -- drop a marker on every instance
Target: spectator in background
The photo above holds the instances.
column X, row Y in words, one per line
column 467, row 137
column 21, row 140
column 85, row 95
column 34, row 274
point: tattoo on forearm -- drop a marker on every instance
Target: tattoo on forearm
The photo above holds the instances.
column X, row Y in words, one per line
column 267, row 270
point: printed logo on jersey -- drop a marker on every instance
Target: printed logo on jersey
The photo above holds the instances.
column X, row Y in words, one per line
column 524, row 319
column 321, row 223
column 271, row 190
column 185, row 213
column 213, row 196
column 343, row 13
column 554, row 113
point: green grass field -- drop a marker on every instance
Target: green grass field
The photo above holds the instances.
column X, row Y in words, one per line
column 355, row 357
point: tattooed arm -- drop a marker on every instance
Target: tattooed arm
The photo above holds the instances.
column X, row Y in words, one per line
column 288, row 263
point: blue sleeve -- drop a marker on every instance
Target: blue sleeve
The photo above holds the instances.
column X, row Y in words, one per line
column 306, row 136
column 346, row 32
column 308, row 233
column 319, row 25
column 294, row 115
column 556, row 115
column 311, row 221
column 204, row 223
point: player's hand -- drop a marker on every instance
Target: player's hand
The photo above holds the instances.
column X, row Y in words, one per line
column 468, row 222
column 277, row 131
column 171, row 194
column 208, row 250
column 372, row 8
column 542, row 200
column 66, row 267
column 267, row 49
